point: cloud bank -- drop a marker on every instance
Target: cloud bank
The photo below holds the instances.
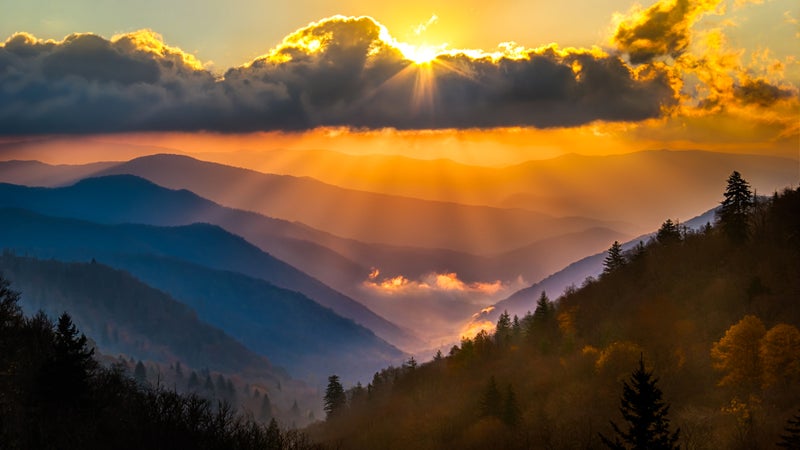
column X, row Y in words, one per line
column 350, row 72
column 341, row 71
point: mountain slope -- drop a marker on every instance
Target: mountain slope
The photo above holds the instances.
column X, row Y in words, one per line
column 128, row 199
column 715, row 321
column 572, row 276
column 123, row 315
column 204, row 245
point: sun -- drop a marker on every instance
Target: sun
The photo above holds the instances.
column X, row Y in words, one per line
column 420, row 54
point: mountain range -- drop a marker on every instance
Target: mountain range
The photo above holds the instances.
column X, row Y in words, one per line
column 268, row 319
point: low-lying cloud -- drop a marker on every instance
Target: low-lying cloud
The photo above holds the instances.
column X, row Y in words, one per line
column 341, row 71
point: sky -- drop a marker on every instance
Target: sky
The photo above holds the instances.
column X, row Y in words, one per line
column 506, row 81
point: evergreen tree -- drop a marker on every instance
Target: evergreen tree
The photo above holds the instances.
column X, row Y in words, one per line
column 791, row 436
column 544, row 311
column 614, row 260
column 502, row 332
column 646, row 413
column 67, row 374
column 735, row 208
column 194, row 382
column 140, row 373
column 335, row 399
column 511, row 411
column 273, row 438
column 669, row 233
column 266, row 409
column 491, row 400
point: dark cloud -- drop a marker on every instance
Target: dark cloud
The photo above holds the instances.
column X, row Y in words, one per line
column 337, row 72
column 660, row 30
column 759, row 92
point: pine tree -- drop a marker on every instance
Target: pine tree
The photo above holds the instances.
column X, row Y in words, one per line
column 274, row 438
column 335, row 399
column 491, row 400
column 669, row 233
column 266, row 409
column 502, row 332
column 73, row 362
column 140, row 373
column 614, row 260
column 646, row 413
column 511, row 411
column 544, row 311
column 791, row 436
column 736, row 207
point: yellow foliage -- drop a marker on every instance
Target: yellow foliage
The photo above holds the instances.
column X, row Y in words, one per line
column 566, row 321
column 737, row 353
column 780, row 355
column 618, row 359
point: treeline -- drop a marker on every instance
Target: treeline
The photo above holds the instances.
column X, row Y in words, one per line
column 55, row 395
column 708, row 319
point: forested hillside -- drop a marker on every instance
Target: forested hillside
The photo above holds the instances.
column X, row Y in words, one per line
column 55, row 395
column 712, row 315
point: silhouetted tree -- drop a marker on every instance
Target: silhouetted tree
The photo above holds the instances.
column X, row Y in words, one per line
column 491, row 400
column 335, row 399
column 67, row 373
column 140, row 373
column 790, row 438
column 265, row 414
column 669, row 233
column 544, row 308
column 642, row 407
column 502, row 333
column 614, row 260
column 274, row 439
column 194, row 381
column 736, row 206
column 511, row 411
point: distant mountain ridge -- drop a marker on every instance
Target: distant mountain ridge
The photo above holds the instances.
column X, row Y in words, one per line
column 574, row 274
column 398, row 221
column 208, row 247
column 129, row 199
column 124, row 315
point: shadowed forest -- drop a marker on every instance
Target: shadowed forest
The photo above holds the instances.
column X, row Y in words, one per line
column 712, row 316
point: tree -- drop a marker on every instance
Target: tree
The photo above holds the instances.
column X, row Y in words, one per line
column 511, row 411
column 669, row 233
column 491, row 400
column 266, row 409
column 735, row 208
column 335, row 399
column 541, row 327
column 614, row 260
column 779, row 351
column 502, row 332
column 737, row 354
column 642, row 407
column 67, row 374
column 791, row 436
column 544, row 311
column 140, row 373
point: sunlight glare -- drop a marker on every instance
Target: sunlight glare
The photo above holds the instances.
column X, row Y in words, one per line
column 420, row 54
